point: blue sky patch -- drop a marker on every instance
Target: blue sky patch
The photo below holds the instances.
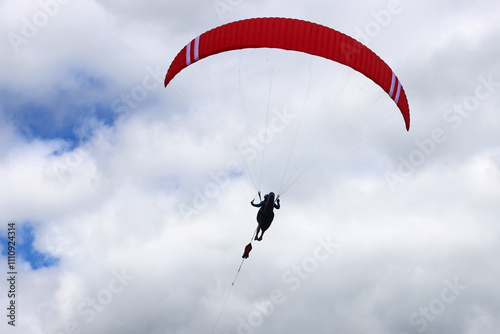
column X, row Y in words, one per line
column 25, row 236
column 62, row 112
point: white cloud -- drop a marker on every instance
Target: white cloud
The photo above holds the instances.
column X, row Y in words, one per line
column 113, row 207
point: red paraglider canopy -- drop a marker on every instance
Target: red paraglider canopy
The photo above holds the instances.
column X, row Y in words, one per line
column 294, row 35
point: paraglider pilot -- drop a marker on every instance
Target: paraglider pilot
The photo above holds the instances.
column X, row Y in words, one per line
column 265, row 215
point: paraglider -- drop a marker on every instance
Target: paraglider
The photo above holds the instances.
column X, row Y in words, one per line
column 265, row 215
column 291, row 35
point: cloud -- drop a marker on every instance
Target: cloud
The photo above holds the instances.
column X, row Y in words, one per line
column 139, row 193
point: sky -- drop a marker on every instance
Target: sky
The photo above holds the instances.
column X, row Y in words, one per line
column 130, row 201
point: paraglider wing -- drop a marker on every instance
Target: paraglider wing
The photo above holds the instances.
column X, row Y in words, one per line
column 294, row 35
